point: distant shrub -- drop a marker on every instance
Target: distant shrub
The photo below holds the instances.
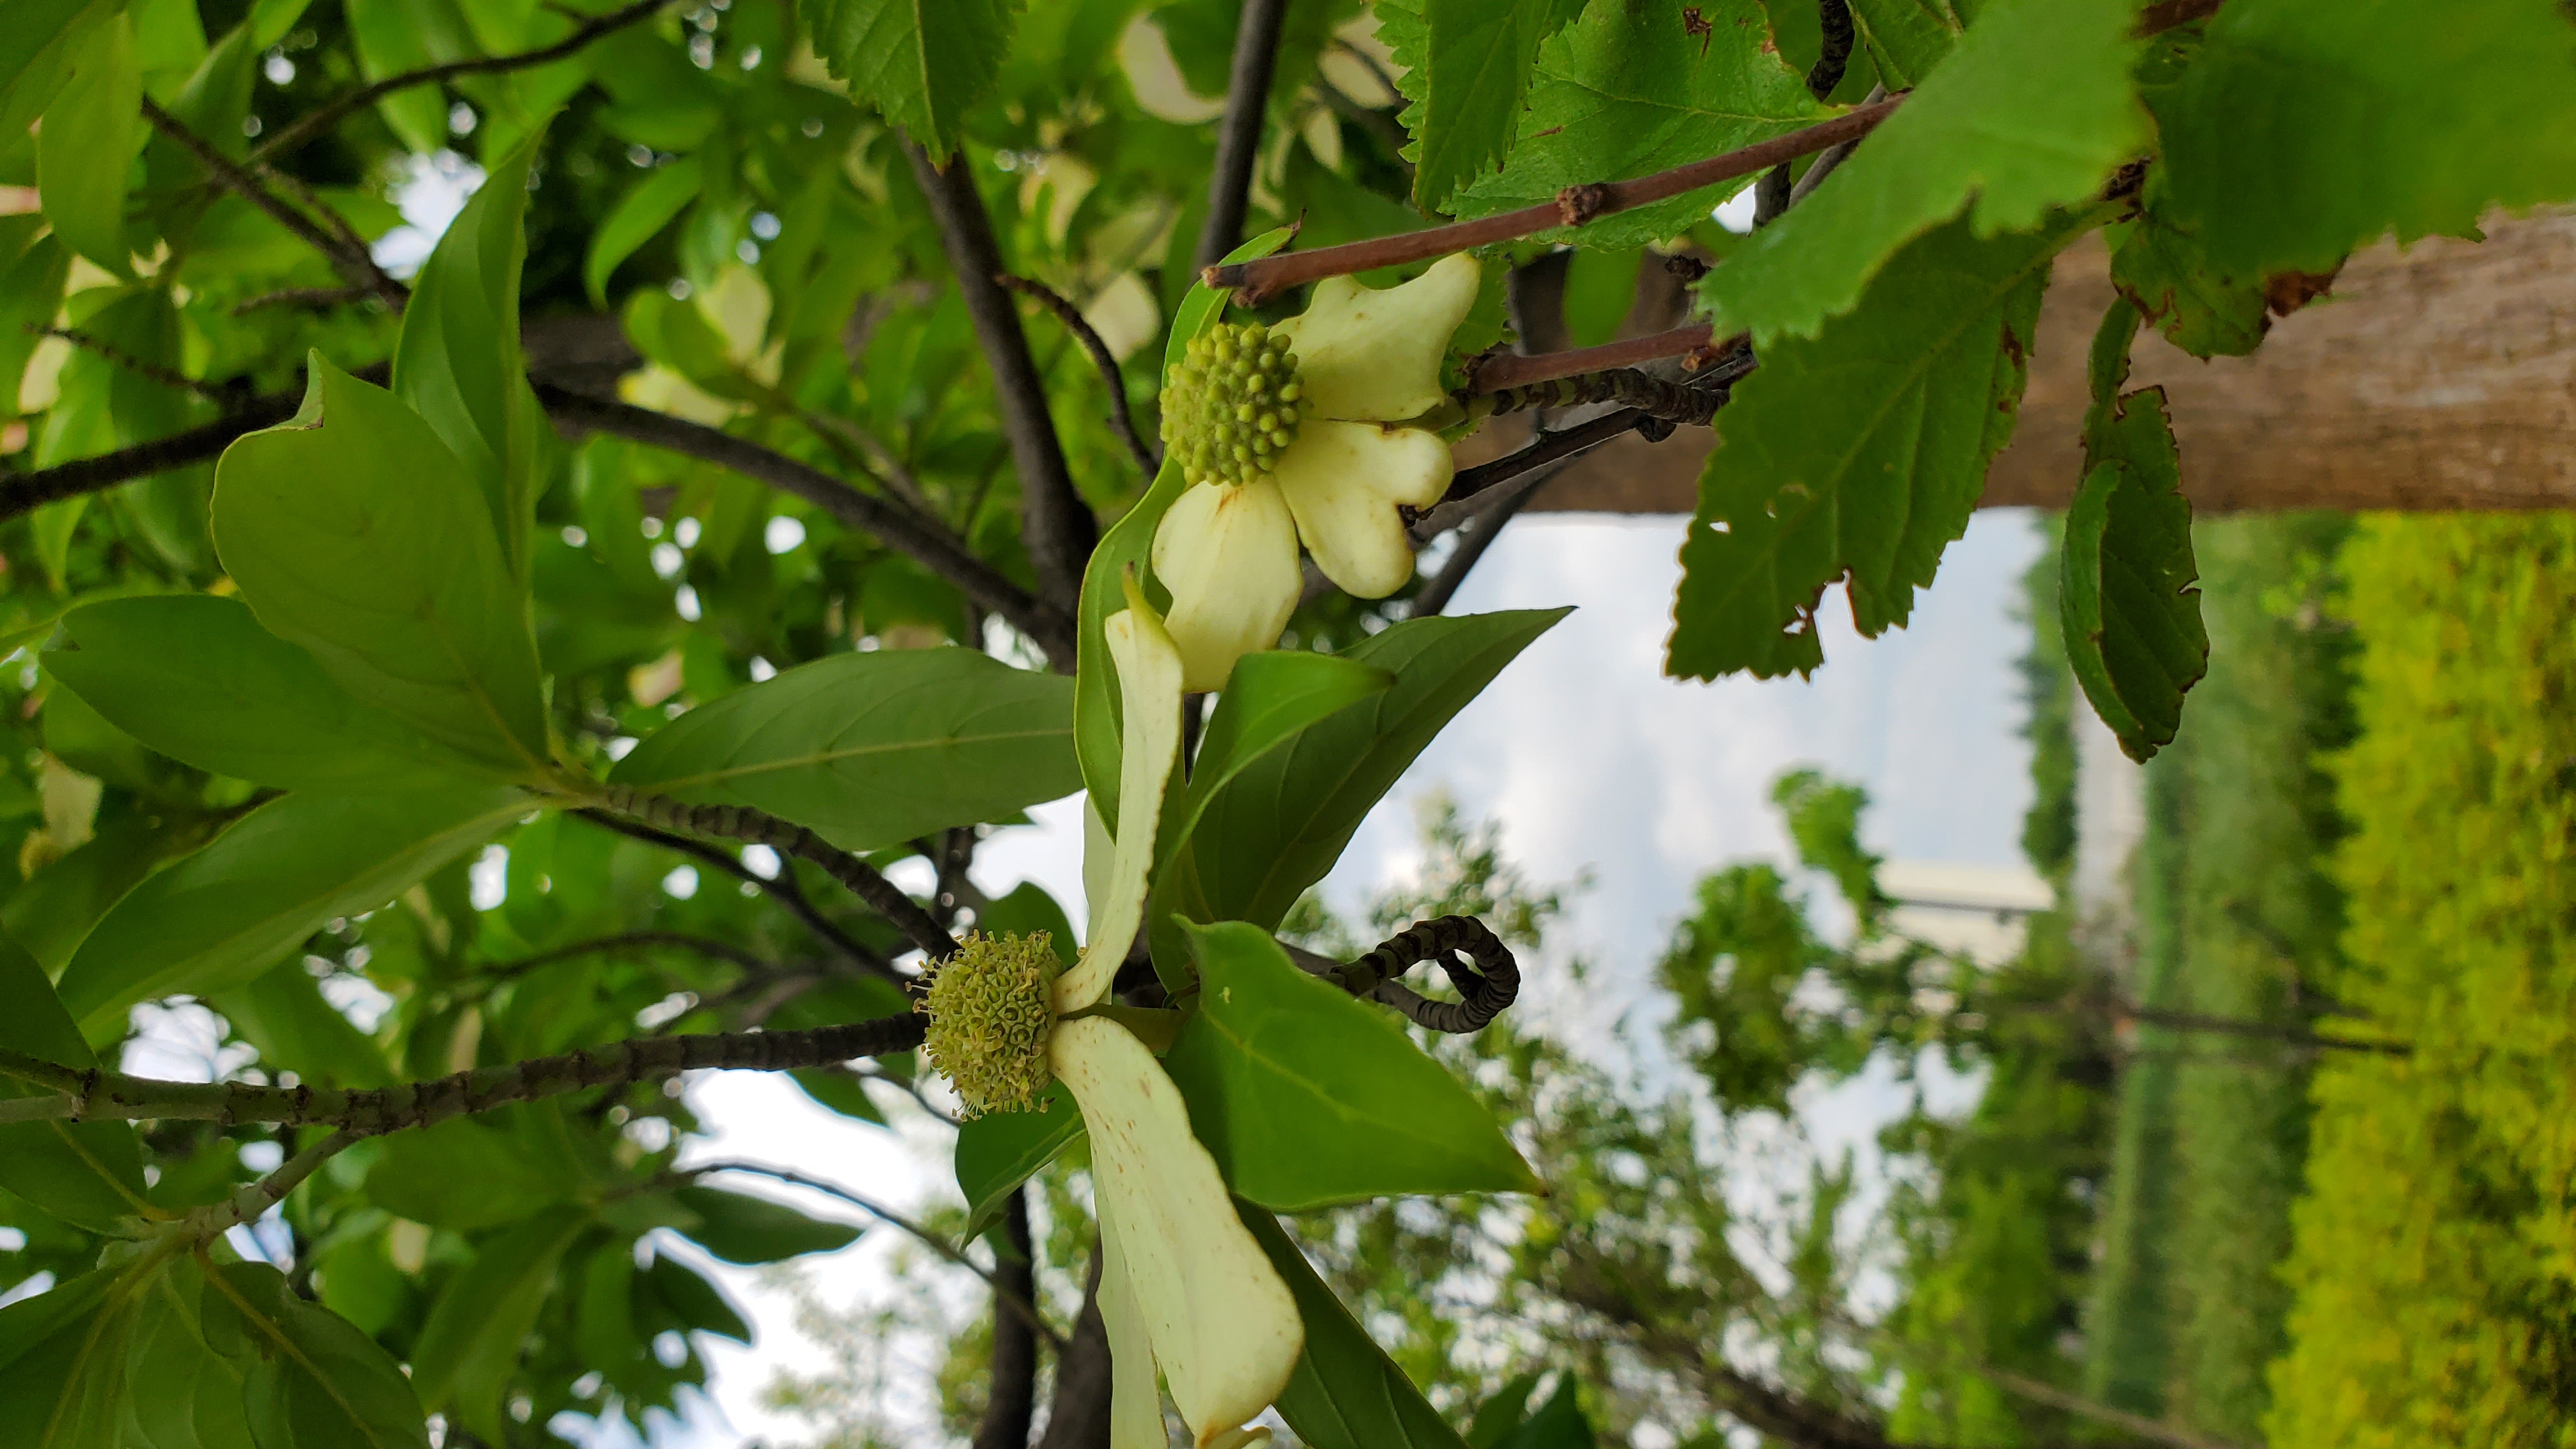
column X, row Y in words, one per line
column 2435, row 1265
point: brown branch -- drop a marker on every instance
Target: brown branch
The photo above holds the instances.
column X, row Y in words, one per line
column 1263, row 277
column 1121, row 421
column 358, row 266
column 1518, row 370
column 756, row 827
column 1238, row 135
column 1050, row 627
column 783, row 888
column 1669, row 402
column 333, row 112
column 1550, row 448
column 1833, row 55
column 97, row 1095
column 1057, row 526
column 2166, row 14
column 1079, row 1417
column 1489, row 983
column 1012, row 1399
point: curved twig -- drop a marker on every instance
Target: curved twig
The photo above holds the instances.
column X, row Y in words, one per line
column 1488, row 984
column 1121, row 421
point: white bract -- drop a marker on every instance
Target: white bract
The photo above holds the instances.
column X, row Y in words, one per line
column 1309, row 430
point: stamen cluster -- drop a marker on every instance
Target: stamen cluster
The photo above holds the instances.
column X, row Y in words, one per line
column 991, row 1010
column 1230, row 405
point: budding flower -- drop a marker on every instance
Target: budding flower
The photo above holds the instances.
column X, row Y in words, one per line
column 1229, row 404
column 992, row 1010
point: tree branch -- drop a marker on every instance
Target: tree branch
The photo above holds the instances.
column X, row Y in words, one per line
column 249, row 1203
column 783, row 889
column 357, row 266
column 1549, row 449
column 1238, row 136
column 1079, row 1417
column 1013, row 1397
column 1489, row 984
column 1056, row 524
column 1120, row 421
column 169, row 377
column 1477, row 533
column 1255, row 280
column 675, row 940
column 1668, row 402
column 333, row 112
column 97, row 1095
column 1520, row 370
column 1834, row 28
column 755, row 827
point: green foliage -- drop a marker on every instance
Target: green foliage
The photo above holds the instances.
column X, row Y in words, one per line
column 1346, row 1392
column 87, row 1173
column 92, row 129
column 1906, row 38
column 1920, row 396
column 998, row 1151
column 920, row 63
column 2428, row 1270
column 1977, row 136
column 1468, row 98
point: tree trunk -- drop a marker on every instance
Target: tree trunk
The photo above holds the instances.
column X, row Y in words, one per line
column 2442, row 377
column 1015, row 1340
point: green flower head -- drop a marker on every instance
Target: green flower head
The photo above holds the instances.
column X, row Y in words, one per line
column 1232, row 403
column 991, row 1010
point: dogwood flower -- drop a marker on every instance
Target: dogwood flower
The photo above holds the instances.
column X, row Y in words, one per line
column 1308, row 430
column 1184, row 1286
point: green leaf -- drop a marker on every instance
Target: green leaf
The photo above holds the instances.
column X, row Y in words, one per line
column 2159, row 264
column 87, row 1173
column 91, row 132
column 31, row 290
column 1979, row 135
column 743, row 1229
column 394, row 36
column 227, row 913
column 2305, row 128
column 468, row 1350
column 284, row 1014
column 1292, row 1084
column 638, row 216
column 355, row 533
column 458, row 363
column 698, row 1304
column 63, row 1357
column 1345, row 1393
column 39, row 35
column 1481, row 56
column 1623, row 93
column 1279, row 824
column 1558, row 1424
column 196, row 678
column 1000, row 1150
column 1271, row 697
column 317, row 1382
column 842, row 1091
column 1130, row 541
column 1906, row 38
column 1859, row 454
column 875, row 748
column 921, row 63
column 478, row 1172
column 1504, row 1410
column 194, row 1396
column 2133, row 630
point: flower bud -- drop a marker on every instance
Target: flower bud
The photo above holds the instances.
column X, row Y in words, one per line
column 991, row 1008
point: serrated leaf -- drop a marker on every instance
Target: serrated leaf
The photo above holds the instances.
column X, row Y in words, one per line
column 1978, row 136
column 637, row 217
column 921, row 63
column 1859, row 454
column 1481, row 57
column 2131, row 611
column 1000, row 1150
column 469, row 1347
column 196, row 678
column 356, row 534
column 876, row 748
column 87, row 1173
column 2305, row 128
column 458, row 365
column 1627, row 91
column 743, row 1229
column 1905, row 38
column 228, row 912
column 2160, row 265
column 1345, row 1393
column 316, row 1382
column 1289, row 1078
column 91, row 133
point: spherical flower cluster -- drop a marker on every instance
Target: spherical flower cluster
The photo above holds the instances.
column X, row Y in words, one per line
column 1232, row 404
column 992, row 1010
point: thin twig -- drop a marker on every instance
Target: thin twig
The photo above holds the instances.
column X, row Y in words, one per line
column 1111, row 379
column 1475, row 535
column 1057, row 526
column 1019, row 1304
column 1263, row 277
column 1238, row 135
column 758, row 827
column 359, row 267
column 315, row 297
column 638, row 940
column 1670, row 402
column 1547, row 449
column 1519, row 370
column 1488, row 985
column 1833, row 55
column 333, row 112
column 169, row 377
column 782, row 888
column 77, row 1095
column 249, row 1203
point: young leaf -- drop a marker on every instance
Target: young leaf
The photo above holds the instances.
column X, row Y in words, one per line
column 91, row 133
column 458, row 363
column 1000, row 1150
column 1270, row 698
column 1627, row 91
column 1858, row 454
column 228, row 912
column 316, row 1381
column 743, row 1229
column 88, row 1173
column 1906, row 38
column 1309, row 1098
column 1469, row 95
column 637, row 217
column 2305, row 128
column 355, row 533
column 919, row 62
column 1279, row 824
column 469, row 1349
column 196, row 678
column 1345, row 1393
column 1983, row 134
column 872, row 749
